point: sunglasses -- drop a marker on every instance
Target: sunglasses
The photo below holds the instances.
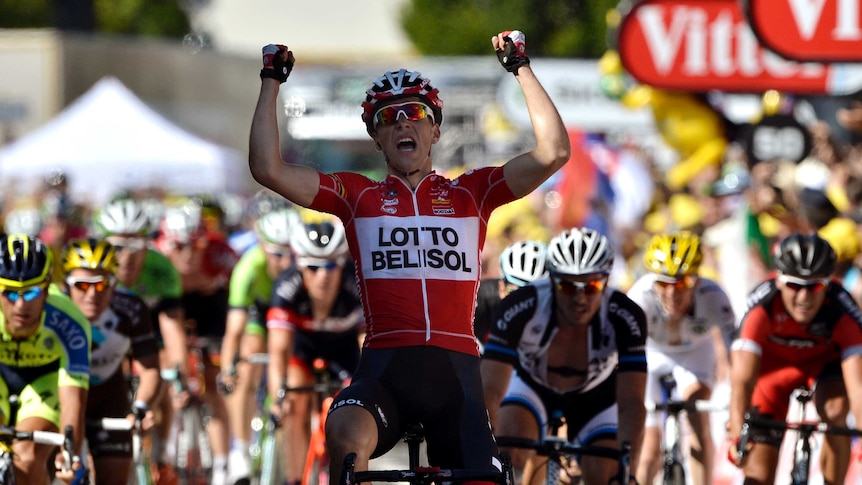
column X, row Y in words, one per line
column 100, row 283
column 28, row 295
column 412, row 111
column 572, row 288
column 179, row 246
column 276, row 250
column 131, row 245
column 797, row 284
column 314, row 264
column 684, row 283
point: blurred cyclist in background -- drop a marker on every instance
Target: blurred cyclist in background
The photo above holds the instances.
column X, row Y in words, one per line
column 245, row 332
column 44, row 356
column 682, row 312
column 121, row 327
column 315, row 314
column 204, row 262
column 152, row 276
column 521, row 263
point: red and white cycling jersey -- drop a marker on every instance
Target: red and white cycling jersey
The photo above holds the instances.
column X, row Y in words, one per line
column 417, row 252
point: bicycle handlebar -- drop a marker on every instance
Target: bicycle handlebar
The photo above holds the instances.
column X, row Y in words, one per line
column 701, row 406
column 807, row 427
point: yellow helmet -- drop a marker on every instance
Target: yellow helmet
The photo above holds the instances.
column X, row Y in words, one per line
column 675, row 254
column 90, row 254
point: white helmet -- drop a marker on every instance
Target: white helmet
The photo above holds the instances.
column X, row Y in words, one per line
column 182, row 224
column 125, row 216
column 580, row 251
column 318, row 241
column 276, row 227
column 23, row 221
column 524, row 262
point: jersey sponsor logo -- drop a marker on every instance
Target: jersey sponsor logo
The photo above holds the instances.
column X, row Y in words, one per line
column 627, row 316
column 796, row 343
column 758, row 294
column 388, row 210
column 434, row 248
column 514, row 310
column 67, row 329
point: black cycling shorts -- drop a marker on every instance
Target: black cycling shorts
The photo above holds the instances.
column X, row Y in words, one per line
column 438, row 388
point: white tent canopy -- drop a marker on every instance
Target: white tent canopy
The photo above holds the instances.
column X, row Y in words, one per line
column 109, row 140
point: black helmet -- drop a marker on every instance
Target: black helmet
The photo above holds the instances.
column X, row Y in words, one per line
column 805, row 255
column 400, row 84
column 24, row 261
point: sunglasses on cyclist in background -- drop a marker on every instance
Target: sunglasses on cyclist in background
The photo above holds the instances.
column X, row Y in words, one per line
column 28, row 295
column 315, row 264
column 100, row 283
column 682, row 283
column 412, row 111
column 132, row 245
column 276, row 250
column 797, row 284
column 571, row 288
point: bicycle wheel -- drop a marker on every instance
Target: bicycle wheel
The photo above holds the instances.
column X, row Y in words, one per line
column 269, row 455
column 674, row 474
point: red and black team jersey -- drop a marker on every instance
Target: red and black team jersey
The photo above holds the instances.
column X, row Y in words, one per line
column 417, row 252
column 791, row 354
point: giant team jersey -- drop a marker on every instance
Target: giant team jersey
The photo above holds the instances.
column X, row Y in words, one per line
column 417, row 252
column 525, row 324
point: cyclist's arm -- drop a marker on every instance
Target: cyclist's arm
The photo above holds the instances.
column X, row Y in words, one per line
column 73, row 404
column 631, row 388
column 495, row 381
column 297, row 183
column 234, row 328
column 851, row 367
column 149, row 378
column 279, row 343
column 172, row 326
column 744, row 369
column 527, row 171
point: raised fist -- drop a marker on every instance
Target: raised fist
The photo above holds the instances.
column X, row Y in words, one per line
column 277, row 62
column 512, row 52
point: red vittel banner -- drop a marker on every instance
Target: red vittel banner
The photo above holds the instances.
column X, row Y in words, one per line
column 808, row 30
column 702, row 45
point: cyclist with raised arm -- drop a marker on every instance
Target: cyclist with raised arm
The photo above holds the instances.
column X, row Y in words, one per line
column 315, row 314
column 146, row 272
column 568, row 343
column 416, row 238
column 44, row 356
column 245, row 333
column 801, row 327
column 121, row 326
column 205, row 262
column 682, row 310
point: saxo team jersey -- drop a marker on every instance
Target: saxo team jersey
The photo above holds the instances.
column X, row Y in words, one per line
column 417, row 252
column 61, row 344
column 525, row 324
column 792, row 353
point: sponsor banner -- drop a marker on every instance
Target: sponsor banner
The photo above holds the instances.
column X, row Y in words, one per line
column 806, row 30
column 777, row 137
column 703, row 45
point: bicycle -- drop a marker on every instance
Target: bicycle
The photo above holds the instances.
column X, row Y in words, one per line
column 141, row 471
column 261, row 428
column 419, row 475
column 804, row 433
column 673, row 461
column 330, row 378
column 559, row 450
column 193, row 457
column 9, row 435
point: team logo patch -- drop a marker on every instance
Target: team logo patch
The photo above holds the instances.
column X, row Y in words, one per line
column 388, row 209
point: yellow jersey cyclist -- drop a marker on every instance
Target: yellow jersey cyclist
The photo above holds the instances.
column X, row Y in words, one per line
column 126, row 224
column 44, row 355
column 683, row 311
column 121, row 329
column 245, row 332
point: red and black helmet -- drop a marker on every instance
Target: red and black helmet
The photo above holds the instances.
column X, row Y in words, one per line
column 400, row 84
